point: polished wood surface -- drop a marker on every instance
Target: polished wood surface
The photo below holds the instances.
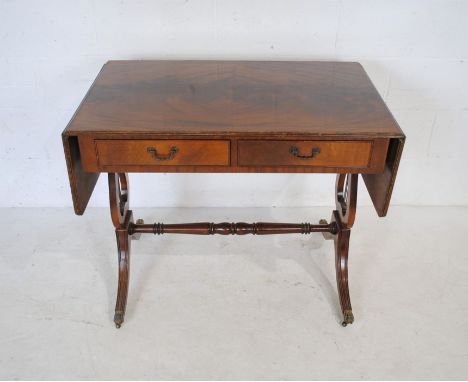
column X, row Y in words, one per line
column 82, row 182
column 234, row 97
column 233, row 101
column 173, row 152
column 233, row 155
column 233, row 116
column 305, row 153
column 380, row 186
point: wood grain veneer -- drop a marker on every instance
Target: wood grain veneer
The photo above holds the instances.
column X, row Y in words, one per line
column 235, row 117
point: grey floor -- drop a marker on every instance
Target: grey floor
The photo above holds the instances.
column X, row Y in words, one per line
column 234, row 307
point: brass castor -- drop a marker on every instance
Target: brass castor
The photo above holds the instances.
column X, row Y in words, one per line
column 118, row 319
column 348, row 318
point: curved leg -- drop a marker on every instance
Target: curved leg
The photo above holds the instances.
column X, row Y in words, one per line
column 343, row 217
column 122, row 218
column 341, row 241
column 123, row 247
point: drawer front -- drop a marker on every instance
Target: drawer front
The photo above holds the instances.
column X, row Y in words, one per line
column 356, row 154
column 162, row 152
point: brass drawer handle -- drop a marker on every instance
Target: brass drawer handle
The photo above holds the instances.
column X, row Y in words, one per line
column 294, row 151
column 154, row 154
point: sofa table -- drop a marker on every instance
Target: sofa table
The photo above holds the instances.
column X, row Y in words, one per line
column 233, row 117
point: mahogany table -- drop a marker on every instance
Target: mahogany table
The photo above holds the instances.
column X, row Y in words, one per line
column 235, row 117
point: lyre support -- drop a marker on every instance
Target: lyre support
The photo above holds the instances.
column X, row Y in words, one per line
column 339, row 229
column 346, row 197
column 122, row 218
column 119, row 197
column 343, row 216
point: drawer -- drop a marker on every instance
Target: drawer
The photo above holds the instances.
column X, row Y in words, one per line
column 185, row 152
column 356, row 154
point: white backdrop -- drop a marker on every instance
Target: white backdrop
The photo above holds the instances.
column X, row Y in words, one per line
column 415, row 52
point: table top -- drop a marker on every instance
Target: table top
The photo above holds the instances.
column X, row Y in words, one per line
column 234, row 97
